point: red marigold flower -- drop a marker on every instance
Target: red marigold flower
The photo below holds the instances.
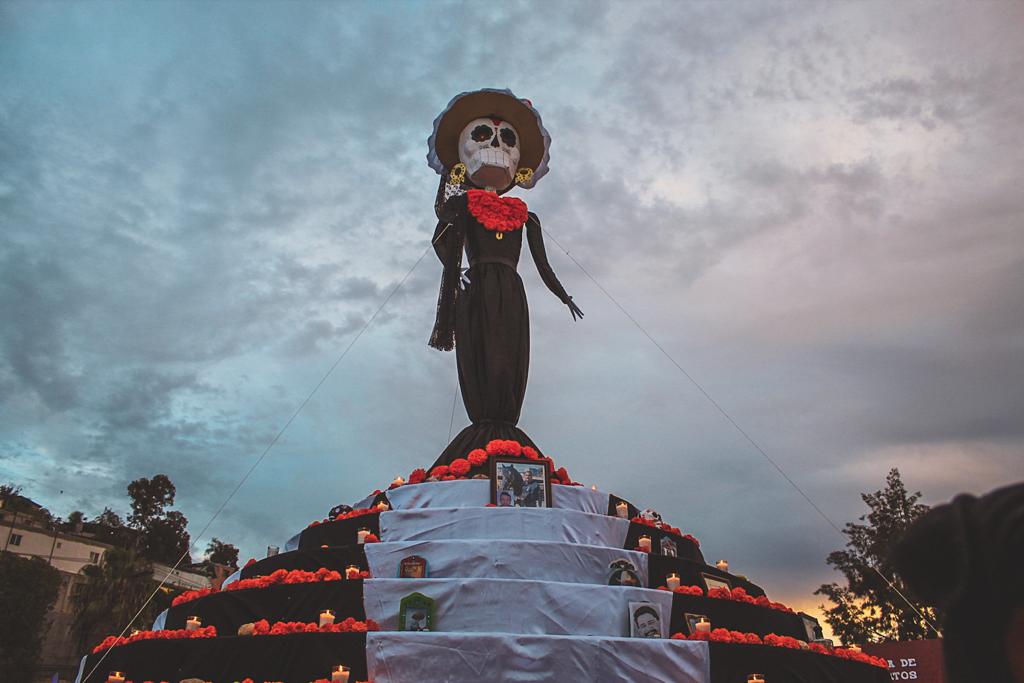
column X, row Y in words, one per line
column 439, row 471
column 417, row 476
column 530, row 453
column 563, row 475
column 460, row 467
column 371, row 538
column 477, row 457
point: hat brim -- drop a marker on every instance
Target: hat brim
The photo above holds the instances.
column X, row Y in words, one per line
column 534, row 140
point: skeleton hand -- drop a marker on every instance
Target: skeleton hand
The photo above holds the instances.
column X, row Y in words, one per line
column 577, row 314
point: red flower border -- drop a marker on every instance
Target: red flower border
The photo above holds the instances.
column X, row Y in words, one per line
column 737, row 594
column 178, row 634
column 722, row 635
column 283, row 628
column 279, row 577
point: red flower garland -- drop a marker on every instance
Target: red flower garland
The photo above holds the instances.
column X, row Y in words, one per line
column 358, row 512
column 281, row 576
column 657, row 525
column 501, row 214
column 282, row 628
column 117, row 641
column 737, row 594
column 721, row 635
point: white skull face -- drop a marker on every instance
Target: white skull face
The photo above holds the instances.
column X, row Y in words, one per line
column 490, row 150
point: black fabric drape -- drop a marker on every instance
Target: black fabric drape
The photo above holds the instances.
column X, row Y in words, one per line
column 735, row 616
column 685, row 548
column 690, row 573
column 227, row 610
column 339, row 533
column 732, row 663
column 296, row 658
column 309, row 559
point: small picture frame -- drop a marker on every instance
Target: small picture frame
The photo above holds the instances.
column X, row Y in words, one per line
column 645, row 620
column 711, row 581
column 412, row 567
column 691, row 621
column 812, row 627
column 520, row 483
column 669, row 547
column 624, row 573
column 416, row 613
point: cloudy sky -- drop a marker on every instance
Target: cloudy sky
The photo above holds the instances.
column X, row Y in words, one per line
column 815, row 208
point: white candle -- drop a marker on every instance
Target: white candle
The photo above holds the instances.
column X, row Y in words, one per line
column 361, row 535
column 854, row 648
column 115, row 677
column 192, row 623
column 622, row 510
column 339, row 674
column 351, row 572
column 326, row 617
column 383, row 507
column 594, row 487
column 755, row 678
column 703, row 626
column 645, row 543
column 398, row 481
column 723, row 565
column 672, row 582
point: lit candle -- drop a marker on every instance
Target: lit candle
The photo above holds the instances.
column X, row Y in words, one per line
column 723, row 565
column 594, row 487
column 115, row 677
column 192, row 623
column 854, row 648
column 351, row 572
column 339, row 674
column 755, row 678
column 398, row 481
column 622, row 510
column 361, row 535
column 326, row 617
column 645, row 543
column 383, row 507
column 672, row 581
column 703, row 626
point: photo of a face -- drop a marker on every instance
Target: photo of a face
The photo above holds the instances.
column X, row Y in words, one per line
column 416, row 620
column 520, row 484
column 645, row 620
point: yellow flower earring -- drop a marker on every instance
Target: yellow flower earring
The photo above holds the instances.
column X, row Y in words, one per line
column 523, row 176
column 458, row 174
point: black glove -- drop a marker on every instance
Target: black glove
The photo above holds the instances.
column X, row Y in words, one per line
column 577, row 314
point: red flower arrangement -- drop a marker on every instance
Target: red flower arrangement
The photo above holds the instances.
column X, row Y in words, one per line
column 281, row 576
column 371, row 538
column 282, row 628
column 721, row 635
column 358, row 512
column 117, row 641
column 740, row 595
column 477, row 457
column 657, row 525
column 460, row 467
column 496, row 213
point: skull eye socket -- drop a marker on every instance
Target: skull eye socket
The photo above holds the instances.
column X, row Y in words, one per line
column 481, row 133
column 508, row 137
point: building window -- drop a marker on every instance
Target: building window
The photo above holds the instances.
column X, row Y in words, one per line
column 15, row 539
column 94, row 558
column 58, row 544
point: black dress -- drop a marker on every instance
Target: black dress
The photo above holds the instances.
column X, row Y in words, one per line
column 491, row 323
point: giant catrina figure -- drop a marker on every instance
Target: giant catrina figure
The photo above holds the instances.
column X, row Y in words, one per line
column 485, row 143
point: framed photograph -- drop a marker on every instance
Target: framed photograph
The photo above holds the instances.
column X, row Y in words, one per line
column 412, row 567
column 715, row 582
column 624, row 573
column 812, row 627
column 691, row 621
column 645, row 620
column 669, row 547
column 520, row 483
column 416, row 613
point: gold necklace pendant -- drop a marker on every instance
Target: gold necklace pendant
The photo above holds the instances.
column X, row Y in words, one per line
column 499, row 235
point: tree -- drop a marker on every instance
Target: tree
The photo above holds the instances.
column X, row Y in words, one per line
column 162, row 537
column 149, row 498
column 112, row 594
column 28, row 588
column 867, row 608
column 219, row 552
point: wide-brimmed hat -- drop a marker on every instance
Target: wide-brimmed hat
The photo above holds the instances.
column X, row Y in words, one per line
column 534, row 141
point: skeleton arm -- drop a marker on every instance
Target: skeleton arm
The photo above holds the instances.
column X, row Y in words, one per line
column 535, row 238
